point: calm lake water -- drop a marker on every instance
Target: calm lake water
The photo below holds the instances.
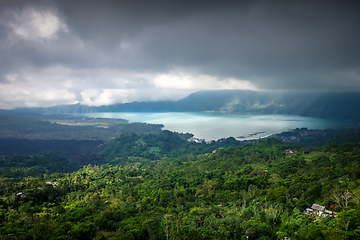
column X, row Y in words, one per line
column 213, row 126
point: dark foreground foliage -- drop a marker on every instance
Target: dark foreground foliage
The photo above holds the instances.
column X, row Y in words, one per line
column 255, row 190
column 19, row 166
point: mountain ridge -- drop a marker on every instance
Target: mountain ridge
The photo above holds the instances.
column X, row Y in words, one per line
column 343, row 105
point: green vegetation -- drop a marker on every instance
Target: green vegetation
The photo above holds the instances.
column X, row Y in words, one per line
column 255, row 190
column 155, row 146
column 312, row 138
column 19, row 166
column 65, row 127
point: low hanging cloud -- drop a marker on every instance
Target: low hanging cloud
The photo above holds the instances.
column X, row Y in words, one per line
column 105, row 52
column 16, row 96
column 158, row 88
column 199, row 82
column 96, row 97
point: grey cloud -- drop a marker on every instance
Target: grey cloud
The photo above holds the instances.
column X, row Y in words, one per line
column 290, row 46
column 309, row 45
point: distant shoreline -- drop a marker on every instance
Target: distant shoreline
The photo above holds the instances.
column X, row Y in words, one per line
column 209, row 127
column 250, row 135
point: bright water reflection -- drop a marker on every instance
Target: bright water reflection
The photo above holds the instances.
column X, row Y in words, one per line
column 213, row 126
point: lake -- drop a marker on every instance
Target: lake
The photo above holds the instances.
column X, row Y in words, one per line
column 213, row 126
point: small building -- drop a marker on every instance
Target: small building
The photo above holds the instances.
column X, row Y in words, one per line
column 330, row 213
column 308, row 211
column 319, row 211
column 51, row 183
column 318, row 208
column 289, row 151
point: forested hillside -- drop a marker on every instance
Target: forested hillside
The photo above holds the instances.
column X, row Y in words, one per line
column 131, row 147
column 77, row 138
column 67, row 127
column 258, row 190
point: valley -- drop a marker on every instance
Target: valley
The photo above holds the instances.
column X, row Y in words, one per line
column 103, row 178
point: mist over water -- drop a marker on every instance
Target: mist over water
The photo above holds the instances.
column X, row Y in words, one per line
column 213, row 126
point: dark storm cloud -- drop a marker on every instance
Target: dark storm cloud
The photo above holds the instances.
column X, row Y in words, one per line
column 309, row 45
column 289, row 43
column 286, row 41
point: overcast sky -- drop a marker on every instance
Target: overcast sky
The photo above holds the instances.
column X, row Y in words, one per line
column 103, row 52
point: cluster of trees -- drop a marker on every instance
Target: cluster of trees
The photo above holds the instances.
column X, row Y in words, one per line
column 156, row 146
column 19, row 166
column 255, row 190
column 317, row 137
